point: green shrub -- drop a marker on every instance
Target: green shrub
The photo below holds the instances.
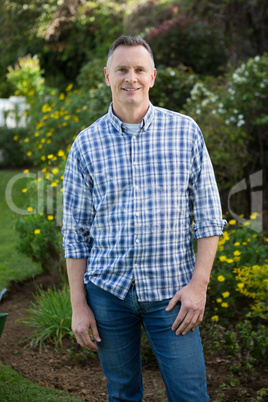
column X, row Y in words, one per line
column 172, row 87
column 195, row 43
column 50, row 316
column 11, row 146
column 239, row 247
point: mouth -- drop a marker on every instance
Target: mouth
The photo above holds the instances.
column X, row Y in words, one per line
column 130, row 90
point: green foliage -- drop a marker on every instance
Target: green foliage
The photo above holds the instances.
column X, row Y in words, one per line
column 172, row 87
column 238, row 248
column 13, row 266
column 26, row 77
column 12, row 154
column 50, row 316
column 245, row 344
column 40, row 239
column 195, row 43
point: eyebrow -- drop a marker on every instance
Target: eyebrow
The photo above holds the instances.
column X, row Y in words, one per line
column 128, row 67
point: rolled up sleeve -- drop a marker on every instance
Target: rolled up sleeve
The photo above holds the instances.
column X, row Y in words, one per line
column 204, row 193
column 78, row 210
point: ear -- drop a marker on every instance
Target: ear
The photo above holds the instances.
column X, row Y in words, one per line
column 106, row 73
column 153, row 77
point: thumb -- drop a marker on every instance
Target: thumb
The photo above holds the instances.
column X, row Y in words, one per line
column 174, row 301
column 95, row 332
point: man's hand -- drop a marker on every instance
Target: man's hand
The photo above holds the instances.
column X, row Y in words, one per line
column 193, row 302
column 83, row 320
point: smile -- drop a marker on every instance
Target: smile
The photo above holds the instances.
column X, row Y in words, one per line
column 130, row 89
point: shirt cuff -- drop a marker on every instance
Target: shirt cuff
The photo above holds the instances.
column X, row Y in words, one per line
column 209, row 228
column 76, row 250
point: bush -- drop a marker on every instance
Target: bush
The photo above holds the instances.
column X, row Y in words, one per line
column 39, row 228
column 195, row 43
column 11, row 146
column 50, row 316
column 172, row 88
column 239, row 247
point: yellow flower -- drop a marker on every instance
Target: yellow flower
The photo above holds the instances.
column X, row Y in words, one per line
column 225, row 294
column 37, row 231
column 50, row 217
column 221, row 278
column 26, row 171
column 24, row 190
column 62, row 96
column 53, row 184
column 50, row 156
column 244, row 243
column 78, row 111
column 219, row 300
column 246, row 223
column 39, row 179
column 43, row 140
column 16, row 137
column 240, row 285
column 215, row 318
column 43, row 158
column 69, row 87
column 222, row 258
column 229, row 260
column 29, row 153
column 55, row 170
column 29, row 209
column 49, row 134
column 254, row 215
column 49, row 141
column 236, row 253
column 237, row 243
column 60, row 153
column 67, row 117
column 26, row 139
column 232, row 222
column 225, row 305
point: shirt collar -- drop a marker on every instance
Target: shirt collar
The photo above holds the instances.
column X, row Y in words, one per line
column 146, row 121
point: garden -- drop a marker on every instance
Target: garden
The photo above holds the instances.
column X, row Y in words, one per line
column 211, row 64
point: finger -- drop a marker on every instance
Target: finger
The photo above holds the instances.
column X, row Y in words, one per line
column 85, row 341
column 179, row 319
column 95, row 332
column 172, row 303
column 189, row 324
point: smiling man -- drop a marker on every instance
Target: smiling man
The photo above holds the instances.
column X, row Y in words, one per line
column 132, row 181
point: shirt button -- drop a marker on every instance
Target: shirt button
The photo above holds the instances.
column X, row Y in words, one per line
column 137, row 240
column 133, row 137
column 137, row 214
column 136, row 188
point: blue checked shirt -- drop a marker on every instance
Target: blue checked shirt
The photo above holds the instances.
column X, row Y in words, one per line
column 128, row 203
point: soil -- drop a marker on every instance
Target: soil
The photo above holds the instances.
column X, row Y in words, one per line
column 83, row 377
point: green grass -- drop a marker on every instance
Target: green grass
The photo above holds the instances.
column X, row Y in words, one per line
column 14, row 388
column 14, row 266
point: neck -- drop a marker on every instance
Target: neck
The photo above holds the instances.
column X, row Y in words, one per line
column 130, row 115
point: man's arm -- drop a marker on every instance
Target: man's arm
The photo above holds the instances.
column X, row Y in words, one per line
column 82, row 318
column 193, row 295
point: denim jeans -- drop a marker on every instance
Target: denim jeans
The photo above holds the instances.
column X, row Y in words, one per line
column 180, row 358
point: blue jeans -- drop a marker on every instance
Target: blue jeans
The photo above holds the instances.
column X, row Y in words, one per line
column 180, row 358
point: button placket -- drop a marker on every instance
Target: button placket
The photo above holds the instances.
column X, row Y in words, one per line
column 136, row 213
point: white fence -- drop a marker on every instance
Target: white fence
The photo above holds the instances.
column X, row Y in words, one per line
column 12, row 112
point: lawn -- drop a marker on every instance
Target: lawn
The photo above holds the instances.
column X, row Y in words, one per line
column 14, row 266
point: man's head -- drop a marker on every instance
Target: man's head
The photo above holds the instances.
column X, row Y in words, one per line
column 129, row 41
column 130, row 74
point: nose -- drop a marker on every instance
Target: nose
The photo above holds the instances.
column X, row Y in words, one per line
column 131, row 76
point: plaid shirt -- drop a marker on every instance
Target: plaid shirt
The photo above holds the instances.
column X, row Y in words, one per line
column 128, row 203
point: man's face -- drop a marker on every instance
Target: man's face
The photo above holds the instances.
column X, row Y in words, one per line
column 130, row 76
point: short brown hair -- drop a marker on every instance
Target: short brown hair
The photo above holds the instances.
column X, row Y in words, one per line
column 129, row 41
